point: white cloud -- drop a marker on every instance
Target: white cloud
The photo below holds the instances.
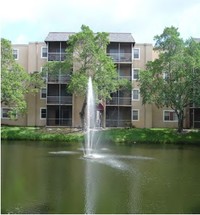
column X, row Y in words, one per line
column 14, row 11
column 35, row 18
column 189, row 21
column 21, row 39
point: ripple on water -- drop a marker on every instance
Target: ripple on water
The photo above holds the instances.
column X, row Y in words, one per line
column 64, row 153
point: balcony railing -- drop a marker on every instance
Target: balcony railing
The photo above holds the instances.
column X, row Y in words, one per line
column 121, row 57
column 67, row 100
column 58, row 78
column 125, row 77
column 56, row 56
column 119, row 101
column 193, row 105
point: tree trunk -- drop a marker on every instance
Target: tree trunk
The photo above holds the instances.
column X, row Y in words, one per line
column 82, row 114
column 180, row 121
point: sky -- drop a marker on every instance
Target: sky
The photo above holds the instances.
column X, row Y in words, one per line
column 24, row 21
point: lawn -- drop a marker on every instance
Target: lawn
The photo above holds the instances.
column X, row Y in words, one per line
column 142, row 135
column 118, row 135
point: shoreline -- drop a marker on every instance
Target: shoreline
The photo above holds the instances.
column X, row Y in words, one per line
column 119, row 136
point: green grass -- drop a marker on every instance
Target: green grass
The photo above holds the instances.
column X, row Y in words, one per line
column 116, row 136
column 137, row 135
column 32, row 133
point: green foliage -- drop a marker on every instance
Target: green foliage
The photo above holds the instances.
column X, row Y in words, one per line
column 14, row 81
column 33, row 133
column 78, row 84
column 55, row 68
column 155, row 136
column 36, row 82
column 86, row 53
column 173, row 79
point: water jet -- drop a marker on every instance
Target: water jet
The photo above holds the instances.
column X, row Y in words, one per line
column 91, row 128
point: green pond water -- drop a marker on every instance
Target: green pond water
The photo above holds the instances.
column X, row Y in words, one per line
column 41, row 178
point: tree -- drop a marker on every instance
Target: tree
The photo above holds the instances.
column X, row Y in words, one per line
column 173, row 79
column 15, row 81
column 86, row 54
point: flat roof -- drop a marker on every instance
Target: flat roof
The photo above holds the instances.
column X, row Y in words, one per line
column 113, row 37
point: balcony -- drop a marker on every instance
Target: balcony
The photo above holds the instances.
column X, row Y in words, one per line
column 65, row 100
column 56, row 56
column 58, row 78
column 119, row 101
column 125, row 77
column 121, row 57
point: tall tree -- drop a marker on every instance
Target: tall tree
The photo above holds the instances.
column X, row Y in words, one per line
column 86, row 53
column 15, row 81
column 173, row 79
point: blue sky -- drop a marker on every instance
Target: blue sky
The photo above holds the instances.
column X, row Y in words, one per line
column 26, row 21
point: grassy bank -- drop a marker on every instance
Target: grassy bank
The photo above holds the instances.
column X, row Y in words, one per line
column 164, row 136
column 40, row 134
column 116, row 136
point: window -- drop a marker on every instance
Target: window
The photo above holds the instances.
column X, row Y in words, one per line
column 136, row 53
column 169, row 116
column 43, row 52
column 16, row 54
column 5, row 113
column 136, row 94
column 43, row 113
column 135, row 115
column 43, row 93
column 135, row 74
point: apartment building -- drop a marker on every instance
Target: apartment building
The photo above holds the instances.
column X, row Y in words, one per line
column 54, row 106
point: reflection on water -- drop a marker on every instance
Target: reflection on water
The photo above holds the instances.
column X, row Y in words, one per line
column 37, row 178
column 64, row 152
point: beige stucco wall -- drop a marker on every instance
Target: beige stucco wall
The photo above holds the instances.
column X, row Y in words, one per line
column 158, row 121
column 34, row 104
column 145, row 55
column 145, row 111
column 35, row 60
column 22, row 55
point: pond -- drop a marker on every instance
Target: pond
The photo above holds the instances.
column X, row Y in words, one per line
column 44, row 178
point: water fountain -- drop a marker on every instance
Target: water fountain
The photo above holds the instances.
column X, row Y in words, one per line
column 91, row 129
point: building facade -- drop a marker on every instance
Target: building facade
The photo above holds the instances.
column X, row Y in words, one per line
column 54, row 106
